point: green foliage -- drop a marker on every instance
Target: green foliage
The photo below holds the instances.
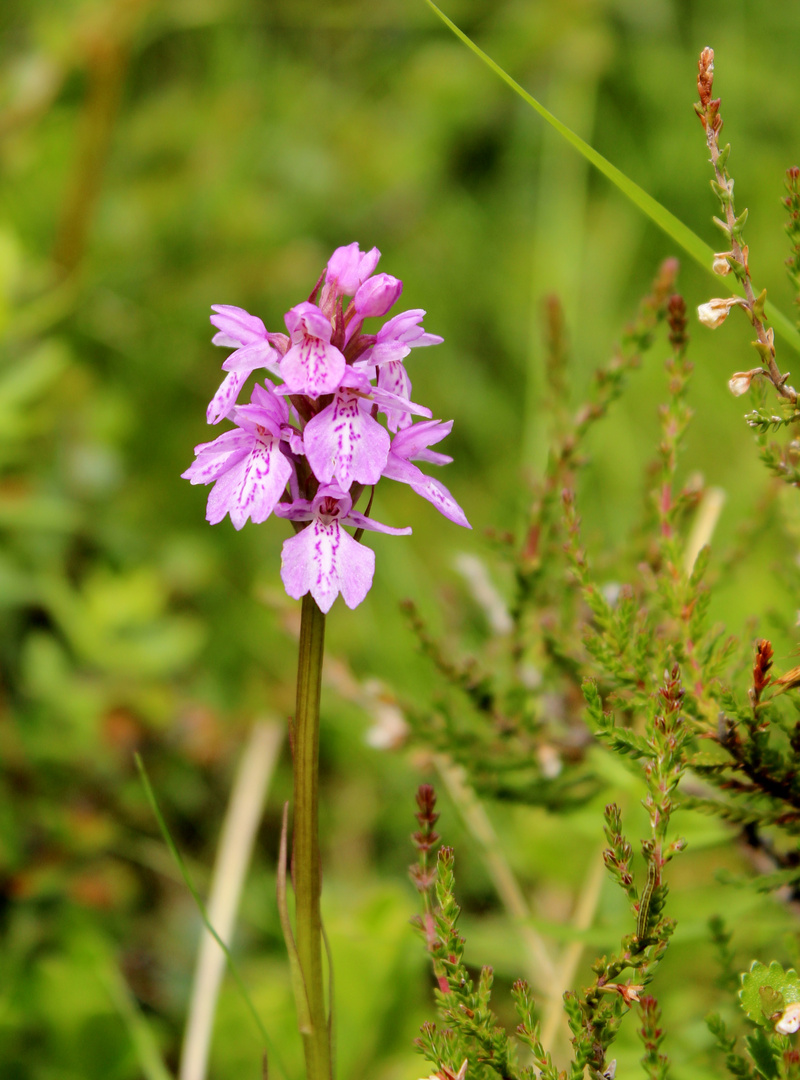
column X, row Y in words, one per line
column 656, row 623
column 474, row 1034
column 159, row 158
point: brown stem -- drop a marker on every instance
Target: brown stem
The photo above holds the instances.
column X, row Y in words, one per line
column 741, row 256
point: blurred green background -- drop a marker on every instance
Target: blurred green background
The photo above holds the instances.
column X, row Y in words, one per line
column 158, row 156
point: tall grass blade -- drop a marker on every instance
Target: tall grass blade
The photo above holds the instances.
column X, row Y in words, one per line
column 298, row 981
column 176, row 855
column 681, row 234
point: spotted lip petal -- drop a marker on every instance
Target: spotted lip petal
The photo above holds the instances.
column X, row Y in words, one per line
column 344, row 441
column 252, row 487
column 246, row 465
column 323, row 558
column 312, row 365
column 325, row 561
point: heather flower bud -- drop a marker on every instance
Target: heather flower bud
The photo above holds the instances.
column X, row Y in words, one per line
column 705, row 75
column 739, row 382
column 715, row 312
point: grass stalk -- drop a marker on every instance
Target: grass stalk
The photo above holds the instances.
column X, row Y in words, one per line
column 233, row 858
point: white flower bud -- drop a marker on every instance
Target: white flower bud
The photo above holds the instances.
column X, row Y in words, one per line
column 739, row 382
column 720, row 264
column 715, row 312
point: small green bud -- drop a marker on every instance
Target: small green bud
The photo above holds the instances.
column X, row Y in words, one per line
column 758, row 304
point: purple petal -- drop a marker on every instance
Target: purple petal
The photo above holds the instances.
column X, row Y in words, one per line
column 237, row 324
column 296, row 510
column 377, row 295
column 348, row 267
column 225, row 340
column 306, row 320
column 252, row 487
column 411, row 442
column 393, row 378
column 249, row 357
column 361, row 521
column 240, row 365
column 393, row 403
column 388, row 352
column 432, row 490
column 356, row 379
column 435, row 492
column 432, row 457
column 266, row 410
column 214, row 458
column 404, row 328
column 313, row 367
column 325, row 560
column 222, row 403
column 345, row 442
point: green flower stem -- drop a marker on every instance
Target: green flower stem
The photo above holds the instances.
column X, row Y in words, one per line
column 305, row 847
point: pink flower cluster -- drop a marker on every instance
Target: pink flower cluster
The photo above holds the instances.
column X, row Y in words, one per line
column 307, row 448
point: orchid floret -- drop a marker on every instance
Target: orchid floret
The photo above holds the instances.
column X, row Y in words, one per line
column 246, row 465
column 254, row 349
column 410, row 443
column 323, row 558
column 311, row 366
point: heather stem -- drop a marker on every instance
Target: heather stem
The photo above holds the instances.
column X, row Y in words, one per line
column 305, row 847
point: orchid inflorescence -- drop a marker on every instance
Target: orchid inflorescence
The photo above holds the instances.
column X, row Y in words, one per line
column 308, row 448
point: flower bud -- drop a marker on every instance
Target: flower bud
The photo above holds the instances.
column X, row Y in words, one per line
column 377, row 295
column 350, row 267
column 720, row 264
column 715, row 312
column 739, row 382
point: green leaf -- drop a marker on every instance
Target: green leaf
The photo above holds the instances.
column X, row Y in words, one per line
column 674, row 228
column 763, row 1054
column 768, row 986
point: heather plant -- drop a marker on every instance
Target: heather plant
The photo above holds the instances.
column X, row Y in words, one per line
column 702, row 719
